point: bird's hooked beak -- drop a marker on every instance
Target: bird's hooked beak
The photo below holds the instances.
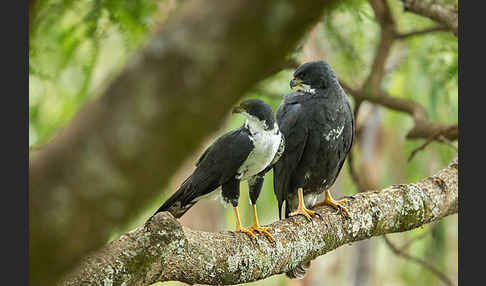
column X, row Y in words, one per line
column 295, row 82
column 238, row 109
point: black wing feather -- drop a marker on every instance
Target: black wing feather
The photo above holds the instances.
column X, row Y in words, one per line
column 348, row 134
column 295, row 141
column 218, row 164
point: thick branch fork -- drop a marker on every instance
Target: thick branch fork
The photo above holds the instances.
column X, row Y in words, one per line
column 163, row 250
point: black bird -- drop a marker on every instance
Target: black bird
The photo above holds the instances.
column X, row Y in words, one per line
column 241, row 154
column 318, row 125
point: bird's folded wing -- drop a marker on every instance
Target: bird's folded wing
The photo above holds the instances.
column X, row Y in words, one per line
column 295, row 142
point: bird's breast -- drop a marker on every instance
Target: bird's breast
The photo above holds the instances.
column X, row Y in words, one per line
column 265, row 146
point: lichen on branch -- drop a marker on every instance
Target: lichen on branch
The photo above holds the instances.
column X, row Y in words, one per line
column 163, row 250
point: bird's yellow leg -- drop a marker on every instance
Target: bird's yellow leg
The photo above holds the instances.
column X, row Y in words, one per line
column 335, row 204
column 238, row 224
column 256, row 226
column 302, row 209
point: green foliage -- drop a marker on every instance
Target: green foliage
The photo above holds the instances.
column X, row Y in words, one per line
column 74, row 47
column 356, row 22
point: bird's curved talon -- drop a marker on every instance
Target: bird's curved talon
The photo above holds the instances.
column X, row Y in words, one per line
column 335, row 204
column 343, row 201
column 301, row 209
column 305, row 212
column 331, row 202
column 343, row 211
column 256, row 227
column 248, row 231
column 263, row 230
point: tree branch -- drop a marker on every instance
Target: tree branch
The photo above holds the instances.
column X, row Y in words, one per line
column 434, row 11
column 403, row 36
column 121, row 149
column 163, row 250
column 437, row 136
column 371, row 89
column 407, row 244
column 423, row 128
column 387, row 32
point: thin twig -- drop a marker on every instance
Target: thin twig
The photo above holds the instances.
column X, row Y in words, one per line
column 421, row 147
column 443, row 139
column 403, row 36
column 416, row 238
column 437, row 136
column 417, row 260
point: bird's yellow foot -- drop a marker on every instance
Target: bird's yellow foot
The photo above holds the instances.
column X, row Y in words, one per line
column 305, row 212
column 256, row 227
column 263, row 230
column 250, row 230
column 238, row 225
column 335, row 204
column 301, row 209
column 246, row 230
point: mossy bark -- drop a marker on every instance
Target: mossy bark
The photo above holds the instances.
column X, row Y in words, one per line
column 163, row 250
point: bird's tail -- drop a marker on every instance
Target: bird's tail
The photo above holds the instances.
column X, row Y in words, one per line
column 181, row 201
column 299, row 271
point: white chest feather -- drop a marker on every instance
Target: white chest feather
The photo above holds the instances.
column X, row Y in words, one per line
column 265, row 146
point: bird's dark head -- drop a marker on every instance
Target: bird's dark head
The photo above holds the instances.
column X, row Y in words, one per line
column 257, row 110
column 313, row 75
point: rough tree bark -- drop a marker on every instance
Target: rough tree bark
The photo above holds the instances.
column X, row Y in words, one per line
column 121, row 149
column 164, row 250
